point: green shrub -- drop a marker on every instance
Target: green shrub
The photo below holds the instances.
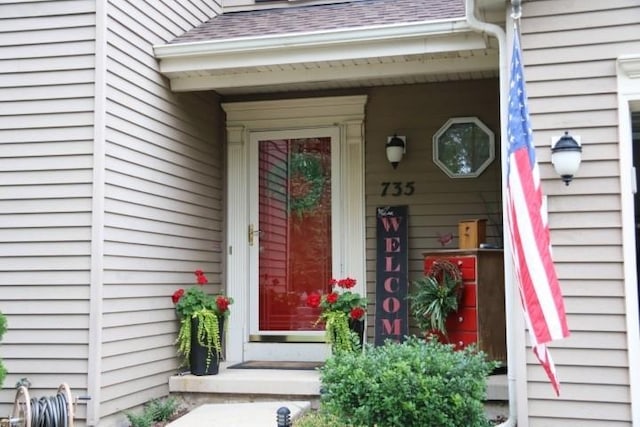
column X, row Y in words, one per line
column 162, row 410
column 318, row 419
column 142, row 420
column 3, row 329
column 154, row 411
column 414, row 384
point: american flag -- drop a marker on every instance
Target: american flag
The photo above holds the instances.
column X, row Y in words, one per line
column 540, row 292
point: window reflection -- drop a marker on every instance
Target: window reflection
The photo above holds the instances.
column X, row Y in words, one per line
column 463, row 147
column 295, row 225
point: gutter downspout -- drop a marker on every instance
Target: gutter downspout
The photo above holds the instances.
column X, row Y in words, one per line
column 499, row 33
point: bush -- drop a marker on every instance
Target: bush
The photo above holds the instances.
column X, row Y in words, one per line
column 318, row 419
column 3, row 329
column 414, row 384
column 155, row 411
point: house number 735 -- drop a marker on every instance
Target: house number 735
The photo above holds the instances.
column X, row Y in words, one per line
column 397, row 188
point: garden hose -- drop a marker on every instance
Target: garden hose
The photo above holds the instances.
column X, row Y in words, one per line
column 50, row 411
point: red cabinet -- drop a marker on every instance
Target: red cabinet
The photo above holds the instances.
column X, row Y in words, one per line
column 480, row 318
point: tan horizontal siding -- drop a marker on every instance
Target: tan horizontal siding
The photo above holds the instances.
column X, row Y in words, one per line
column 63, row 350
column 590, row 271
column 579, row 393
column 46, row 90
column 122, row 347
column 601, row 412
column 593, row 287
column 570, row 9
column 163, row 200
column 595, row 321
column 569, row 53
column 582, row 357
column 593, row 253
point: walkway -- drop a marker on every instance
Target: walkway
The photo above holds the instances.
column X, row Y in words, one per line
column 256, row 414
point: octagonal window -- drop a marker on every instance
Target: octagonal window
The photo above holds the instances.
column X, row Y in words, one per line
column 463, row 147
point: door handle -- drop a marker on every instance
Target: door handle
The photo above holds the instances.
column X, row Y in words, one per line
column 252, row 233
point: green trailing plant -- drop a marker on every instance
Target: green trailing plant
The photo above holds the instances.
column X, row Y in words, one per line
column 337, row 309
column 207, row 333
column 418, row 383
column 338, row 333
column 435, row 296
column 3, row 329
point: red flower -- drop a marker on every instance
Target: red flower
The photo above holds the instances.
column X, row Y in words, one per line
column 222, row 303
column 332, row 298
column 313, row 300
column 202, row 279
column 347, row 283
column 177, row 295
column 357, row 313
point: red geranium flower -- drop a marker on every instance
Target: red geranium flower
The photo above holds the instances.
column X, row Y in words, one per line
column 177, row 295
column 357, row 313
column 193, row 299
column 222, row 303
column 202, row 279
column 313, row 300
column 338, row 309
column 347, row 283
column 332, row 298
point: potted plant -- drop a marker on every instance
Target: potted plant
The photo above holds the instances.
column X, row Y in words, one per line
column 435, row 296
column 202, row 319
column 342, row 312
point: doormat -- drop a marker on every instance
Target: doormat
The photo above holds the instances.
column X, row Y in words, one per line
column 265, row 364
column 500, row 370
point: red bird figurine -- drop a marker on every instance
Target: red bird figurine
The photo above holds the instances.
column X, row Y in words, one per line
column 445, row 239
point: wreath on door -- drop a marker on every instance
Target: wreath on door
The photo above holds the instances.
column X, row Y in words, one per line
column 303, row 185
column 306, row 182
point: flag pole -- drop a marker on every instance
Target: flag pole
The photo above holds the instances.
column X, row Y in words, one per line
column 530, row 242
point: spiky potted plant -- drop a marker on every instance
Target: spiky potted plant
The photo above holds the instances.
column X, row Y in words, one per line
column 435, row 296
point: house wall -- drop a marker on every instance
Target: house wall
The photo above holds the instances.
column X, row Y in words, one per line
column 46, row 146
column 110, row 197
column 163, row 162
column 569, row 52
column 438, row 202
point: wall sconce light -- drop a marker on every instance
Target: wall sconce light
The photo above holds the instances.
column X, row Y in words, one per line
column 566, row 154
column 396, row 147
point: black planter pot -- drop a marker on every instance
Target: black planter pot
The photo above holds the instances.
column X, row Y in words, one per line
column 357, row 326
column 198, row 356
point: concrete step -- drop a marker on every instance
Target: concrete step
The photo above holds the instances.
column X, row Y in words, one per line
column 270, row 382
column 263, row 391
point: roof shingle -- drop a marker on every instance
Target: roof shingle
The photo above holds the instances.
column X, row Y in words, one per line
column 313, row 18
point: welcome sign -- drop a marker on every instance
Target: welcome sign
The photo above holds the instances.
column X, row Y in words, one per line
column 392, row 274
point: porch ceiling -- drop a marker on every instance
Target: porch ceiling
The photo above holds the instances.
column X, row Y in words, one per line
column 430, row 50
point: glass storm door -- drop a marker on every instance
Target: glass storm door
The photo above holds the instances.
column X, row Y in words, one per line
column 291, row 233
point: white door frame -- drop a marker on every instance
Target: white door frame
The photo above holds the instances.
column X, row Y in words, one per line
column 628, row 70
column 285, row 344
column 347, row 115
